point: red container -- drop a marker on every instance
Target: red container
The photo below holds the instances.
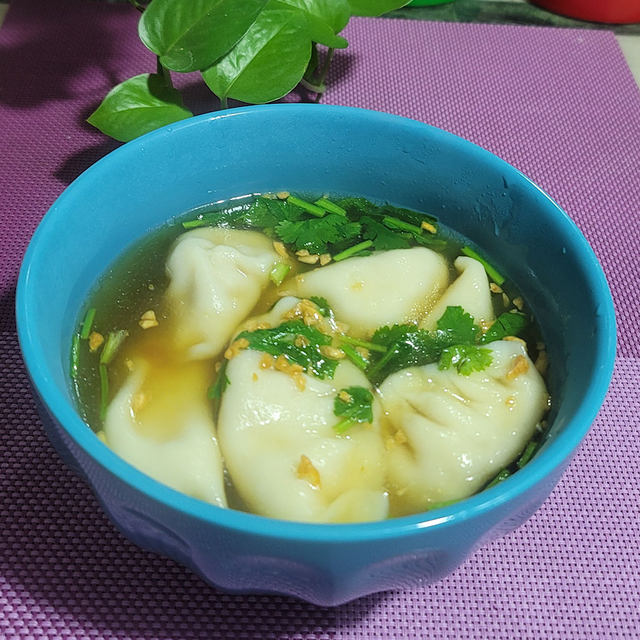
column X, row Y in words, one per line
column 611, row 11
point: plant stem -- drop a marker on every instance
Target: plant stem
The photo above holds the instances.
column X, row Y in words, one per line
column 161, row 70
column 323, row 73
column 136, row 5
column 223, row 102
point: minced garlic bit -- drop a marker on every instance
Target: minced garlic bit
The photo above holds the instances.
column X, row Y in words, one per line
column 306, row 310
column 345, row 396
column 364, row 352
column 310, row 259
column 139, row 401
column 325, row 258
column 254, row 377
column 267, row 361
column 282, row 195
column 300, row 381
column 306, row 471
column 505, row 299
column 331, row 352
column 301, row 342
column 217, row 366
column 400, row 437
column 495, row 288
column 295, row 371
column 235, row 348
column 148, row 319
column 151, row 287
column 129, row 364
column 302, row 253
column 520, row 366
column 281, row 250
column 95, row 341
column 427, row 226
column 542, row 362
column 515, row 339
column 510, row 401
column 518, row 303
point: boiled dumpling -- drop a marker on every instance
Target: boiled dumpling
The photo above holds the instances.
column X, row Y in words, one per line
column 282, row 453
column 216, row 278
column 381, row 289
column 160, row 421
column 449, row 434
column 470, row 290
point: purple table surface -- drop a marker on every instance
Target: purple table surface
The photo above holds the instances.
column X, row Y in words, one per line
column 561, row 105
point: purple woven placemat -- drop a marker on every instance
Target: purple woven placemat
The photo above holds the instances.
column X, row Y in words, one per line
column 560, row 105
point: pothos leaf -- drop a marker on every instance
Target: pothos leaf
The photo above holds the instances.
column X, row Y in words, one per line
column 375, row 7
column 190, row 35
column 136, row 106
column 325, row 19
column 268, row 61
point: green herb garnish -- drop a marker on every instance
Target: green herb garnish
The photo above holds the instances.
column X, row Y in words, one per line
column 75, row 355
column 465, row 358
column 323, row 306
column 111, row 345
column 296, row 341
column 528, row 453
column 506, row 324
column 359, row 360
column 352, row 251
column 492, row 272
column 313, row 209
column 216, row 390
column 316, row 235
column 329, row 206
column 87, row 323
column 279, row 273
column 354, row 404
column 503, row 475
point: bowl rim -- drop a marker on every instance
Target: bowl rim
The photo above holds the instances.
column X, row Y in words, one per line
column 559, row 450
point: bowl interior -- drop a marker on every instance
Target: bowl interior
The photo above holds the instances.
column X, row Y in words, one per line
column 323, row 149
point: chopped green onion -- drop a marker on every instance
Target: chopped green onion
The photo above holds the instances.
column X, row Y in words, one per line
column 492, row 272
column 111, row 346
column 192, row 224
column 344, row 425
column 104, row 390
column 331, row 207
column 75, row 352
column 279, row 273
column 527, row 454
column 87, row 323
column 503, row 475
column 351, row 251
column 313, row 209
column 363, row 343
column 360, row 361
column 401, row 225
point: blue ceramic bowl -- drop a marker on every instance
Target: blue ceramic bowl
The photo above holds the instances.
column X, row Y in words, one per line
column 310, row 148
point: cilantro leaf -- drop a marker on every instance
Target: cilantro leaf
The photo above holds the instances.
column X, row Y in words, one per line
column 296, row 341
column 407, row 346
column 383, row 238
column 222, row 382
column 458, row 326
column 466, row 358
column 323, row 305
column 266, row 213
column 506, row 324
column 317, row 234
column 354, row 404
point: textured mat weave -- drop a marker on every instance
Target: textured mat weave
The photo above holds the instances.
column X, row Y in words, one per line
column 560, row 105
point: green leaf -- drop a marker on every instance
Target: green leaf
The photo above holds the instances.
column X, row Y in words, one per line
column 136, row 106
column 269, row 60
column 466, row 358
column 296, row 341
column 325, row 19
column 506, row 324
column 384, row 239
column 375, row 7
column 216, row 390
column 354, row 405
column 323, row 306
column 317, row 234
column 458, row 325
column 190, row 35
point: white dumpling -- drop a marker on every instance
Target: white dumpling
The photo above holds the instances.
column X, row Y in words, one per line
column 381, row 289
column 470, row 290
column 216, row 278
column 161, row 422
column 449, row 434
column 283, row 455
